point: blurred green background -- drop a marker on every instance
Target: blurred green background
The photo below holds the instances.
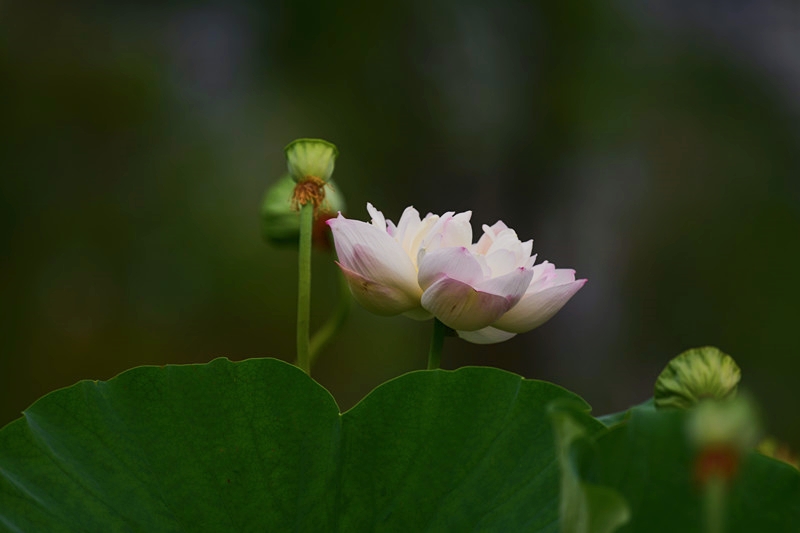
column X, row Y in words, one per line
column 652, row 146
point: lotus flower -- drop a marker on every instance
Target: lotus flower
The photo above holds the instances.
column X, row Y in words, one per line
column 488, row 291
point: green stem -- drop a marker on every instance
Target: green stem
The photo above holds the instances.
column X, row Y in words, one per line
column 715, row 492
column 304, row 288
column 437, row 341
column 335, row 322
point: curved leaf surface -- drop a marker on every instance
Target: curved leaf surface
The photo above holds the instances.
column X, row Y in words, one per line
column 257, row 445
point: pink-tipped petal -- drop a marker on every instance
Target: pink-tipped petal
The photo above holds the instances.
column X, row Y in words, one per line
column 373, row 254
column 536, row 308
column 560, row 276
column 487, row 335
column 461, row 307
column 378, row 298
column 456, row 263
column 512, row 286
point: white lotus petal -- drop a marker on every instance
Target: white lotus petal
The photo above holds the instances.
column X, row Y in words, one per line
column 373, row 254
column 512, row 286
column 502, row 262
column 378, row 220
column 540, row 273
column 486, row 240
column 527, row 249
column 488, row 335
column 450, row 230
column 536, row 308
column 456, row 263
column 481, row 259
column 498, row 226
column 391, row 229
column 379, row 298
column 506, row 240
column 413, row 244
column 461, row 307
column 407, row 226
column 560, row 276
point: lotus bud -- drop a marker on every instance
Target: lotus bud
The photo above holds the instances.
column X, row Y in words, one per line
column 695, row 375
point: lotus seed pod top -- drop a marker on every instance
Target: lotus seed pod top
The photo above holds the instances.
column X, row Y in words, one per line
column 310, row 158
column 733, row 422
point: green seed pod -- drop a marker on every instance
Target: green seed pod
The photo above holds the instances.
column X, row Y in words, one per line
column 310, row 157
column 733, row 422
column 695, row 375
column 721, row 432
column 280, row 223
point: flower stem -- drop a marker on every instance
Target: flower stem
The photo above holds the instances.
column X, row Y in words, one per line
column 714, row 504
column 437, row 341
column 304, row 288
column 335, row 322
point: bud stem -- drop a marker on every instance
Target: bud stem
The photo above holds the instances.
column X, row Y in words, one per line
column 335, row 321
column 714, row 496
column 437, row 341
column 304, row 287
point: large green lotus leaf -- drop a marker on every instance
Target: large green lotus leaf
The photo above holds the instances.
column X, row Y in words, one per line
column 258, row 446
column 217, row 447
column 650, row 461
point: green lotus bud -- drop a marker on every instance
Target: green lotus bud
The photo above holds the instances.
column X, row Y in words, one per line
column 694, row 375
column 310, row 158
column 280, row 222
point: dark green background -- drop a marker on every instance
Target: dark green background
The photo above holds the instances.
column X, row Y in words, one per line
column 652, row 146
